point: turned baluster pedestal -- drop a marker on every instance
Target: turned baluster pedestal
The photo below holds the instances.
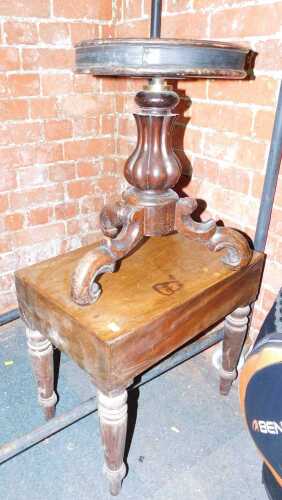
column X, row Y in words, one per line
column 151, row 207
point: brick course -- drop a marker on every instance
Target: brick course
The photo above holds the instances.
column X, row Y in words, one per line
column 64, row 137
column 55, row 133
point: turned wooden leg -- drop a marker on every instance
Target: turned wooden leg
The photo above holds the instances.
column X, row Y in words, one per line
column 235, row 331
column 113, row 423
column 41, row 355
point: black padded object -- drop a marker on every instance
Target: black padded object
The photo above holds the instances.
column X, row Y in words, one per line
column 263, row 408
column 272, row 488
column 263, row 402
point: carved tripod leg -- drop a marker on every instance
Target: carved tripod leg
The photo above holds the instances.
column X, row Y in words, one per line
column 129, row 222
column 235, row 331
column 113, row 423
column 41, row 355
column 237, row 251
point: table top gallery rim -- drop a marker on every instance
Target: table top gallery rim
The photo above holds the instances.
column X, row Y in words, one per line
column 167, row 58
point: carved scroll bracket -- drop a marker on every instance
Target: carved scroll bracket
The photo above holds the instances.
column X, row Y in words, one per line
column 237, row 251
column 128, row 223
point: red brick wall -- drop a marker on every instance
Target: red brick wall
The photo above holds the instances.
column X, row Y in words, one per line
column 230, row 123
column 64, row 137
column 56, row 133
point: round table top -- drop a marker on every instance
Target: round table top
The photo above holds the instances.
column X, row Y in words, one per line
column 160, row 57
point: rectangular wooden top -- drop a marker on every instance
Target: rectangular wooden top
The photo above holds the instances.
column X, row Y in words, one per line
column 164, row 273
column 163, row 295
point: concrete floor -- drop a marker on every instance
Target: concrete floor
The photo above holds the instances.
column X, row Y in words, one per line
column 189, row 443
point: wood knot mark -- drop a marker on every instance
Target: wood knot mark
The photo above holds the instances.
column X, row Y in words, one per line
column 168, row 287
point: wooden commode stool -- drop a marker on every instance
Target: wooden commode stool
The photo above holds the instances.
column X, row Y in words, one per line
column 163, row 295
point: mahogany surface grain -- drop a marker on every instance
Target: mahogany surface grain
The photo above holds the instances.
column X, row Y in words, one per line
column 162, row 296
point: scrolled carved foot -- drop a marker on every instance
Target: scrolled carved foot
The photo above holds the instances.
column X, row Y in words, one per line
column 84, row 289
column 237, row 251
column 185, row 225
column 121, row 219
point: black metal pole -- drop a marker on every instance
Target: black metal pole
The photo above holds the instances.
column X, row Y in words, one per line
column 156, row 14
column 56, row 424
column 9, row 316
column 270, row 180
